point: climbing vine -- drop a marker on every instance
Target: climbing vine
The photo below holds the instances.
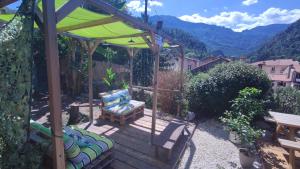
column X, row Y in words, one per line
column 15, row 89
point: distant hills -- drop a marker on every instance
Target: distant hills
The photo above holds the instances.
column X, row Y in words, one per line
column 283, row 45
column 218, row 38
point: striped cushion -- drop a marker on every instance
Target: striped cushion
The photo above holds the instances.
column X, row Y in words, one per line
column 120, row 109
column 81, row 147
column 92, row 145
column 116, row 98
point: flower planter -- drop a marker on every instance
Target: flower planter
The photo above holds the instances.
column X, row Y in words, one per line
column 247, row 158
column 234, row 138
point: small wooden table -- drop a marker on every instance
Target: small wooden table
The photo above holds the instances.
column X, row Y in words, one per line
column 293, row 123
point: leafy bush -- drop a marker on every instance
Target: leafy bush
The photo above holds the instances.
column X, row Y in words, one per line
column 243, row 110
column 287, row 100
column 211, row 96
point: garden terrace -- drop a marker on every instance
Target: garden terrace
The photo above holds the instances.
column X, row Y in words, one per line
column 132, row 142
column 111, row 27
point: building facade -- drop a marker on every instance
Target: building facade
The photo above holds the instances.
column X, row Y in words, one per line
column 282, row 72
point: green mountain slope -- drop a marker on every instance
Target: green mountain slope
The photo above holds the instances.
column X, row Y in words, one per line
column 221, row 38
column 283, row 45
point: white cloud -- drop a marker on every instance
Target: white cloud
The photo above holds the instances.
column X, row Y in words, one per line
column 249, row 2
column 139, row 5
column 239, row 21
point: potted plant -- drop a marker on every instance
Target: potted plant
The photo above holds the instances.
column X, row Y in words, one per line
column 239, row 120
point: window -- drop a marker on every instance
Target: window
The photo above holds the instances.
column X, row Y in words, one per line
column 189, row 67
column 273, row 69
column 282, row 70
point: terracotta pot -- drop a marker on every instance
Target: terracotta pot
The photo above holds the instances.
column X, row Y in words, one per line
column 247, row 158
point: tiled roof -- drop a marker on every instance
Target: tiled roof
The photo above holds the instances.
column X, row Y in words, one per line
column 286, row 63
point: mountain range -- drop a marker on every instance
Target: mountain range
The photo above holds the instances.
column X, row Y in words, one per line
column 284, row 45
column 218, row 38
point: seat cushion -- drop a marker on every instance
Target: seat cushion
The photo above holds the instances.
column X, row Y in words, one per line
column 124, row 109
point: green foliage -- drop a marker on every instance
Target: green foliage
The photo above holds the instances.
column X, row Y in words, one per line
column 249, row 102
column 143, row 68
column 210, row 96
column 283, row 45
column 109, row 54
column 15, row 90
column 243, row 110
column 109, row 78
column 287, row 100
column 125, row 85
column 192, row 46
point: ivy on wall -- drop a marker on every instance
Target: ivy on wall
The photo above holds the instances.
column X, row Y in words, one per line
column 15, row 88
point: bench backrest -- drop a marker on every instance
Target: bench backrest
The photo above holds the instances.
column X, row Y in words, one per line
column 114, row 98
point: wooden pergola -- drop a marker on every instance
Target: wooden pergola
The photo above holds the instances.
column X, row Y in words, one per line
column 50, row 19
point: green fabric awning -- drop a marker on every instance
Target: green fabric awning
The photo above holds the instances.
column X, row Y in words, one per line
column 86, row 24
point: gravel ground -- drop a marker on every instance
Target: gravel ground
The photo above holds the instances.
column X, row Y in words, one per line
column 210, row 149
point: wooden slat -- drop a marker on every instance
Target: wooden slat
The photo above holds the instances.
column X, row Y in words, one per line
column 89, row 24
column 124, row 36
column 168, row 138
column 4, row 3
column 67, row 9
column 289, row 144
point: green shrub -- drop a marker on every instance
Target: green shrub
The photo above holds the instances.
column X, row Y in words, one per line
column 287, row 100
column 211, row 96
column 243, row 111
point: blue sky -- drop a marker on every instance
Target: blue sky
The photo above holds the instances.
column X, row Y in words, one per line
column 234, row 14
column 237, row 15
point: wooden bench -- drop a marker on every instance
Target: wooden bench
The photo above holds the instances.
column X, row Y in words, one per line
column 292, row 146
column 167, row 139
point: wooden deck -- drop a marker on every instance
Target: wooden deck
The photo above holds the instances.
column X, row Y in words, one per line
column 132, row 142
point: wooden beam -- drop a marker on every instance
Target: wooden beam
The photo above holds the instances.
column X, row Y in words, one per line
column 100, row 4
column 148, row 42
column 53, row 71
column 67, row 9
column 89, row 24
column 4, row 3
column 125, row 36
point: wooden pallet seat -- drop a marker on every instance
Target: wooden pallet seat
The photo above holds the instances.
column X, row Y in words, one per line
column 83, row 149
column 117, row 106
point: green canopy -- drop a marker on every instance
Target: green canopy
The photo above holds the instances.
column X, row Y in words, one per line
column 85, row 24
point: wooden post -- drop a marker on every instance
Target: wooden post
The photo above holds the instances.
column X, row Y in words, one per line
column 181, row 76
column 51, row 49
column 91, row 48
column 131, row 55
column 91, row 91
column 155, row 50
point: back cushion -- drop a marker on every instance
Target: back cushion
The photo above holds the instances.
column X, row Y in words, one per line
column 116, row 98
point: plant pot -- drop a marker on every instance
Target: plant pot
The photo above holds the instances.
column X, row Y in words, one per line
column 247, row 158
column 234, row 138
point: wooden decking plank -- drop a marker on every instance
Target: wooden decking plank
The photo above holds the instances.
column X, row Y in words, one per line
column 132, row 161
column 117, row 164
column 151, row 160
column 132, row 143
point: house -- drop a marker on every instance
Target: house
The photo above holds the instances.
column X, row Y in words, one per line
column 188, row 65
column 282, row 72
column 208, row 63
